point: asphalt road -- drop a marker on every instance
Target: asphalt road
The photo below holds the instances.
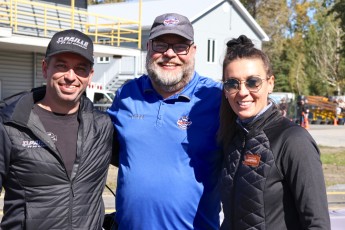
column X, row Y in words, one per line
column 328, row 135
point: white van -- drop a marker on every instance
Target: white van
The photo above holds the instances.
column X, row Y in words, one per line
column 102, row 99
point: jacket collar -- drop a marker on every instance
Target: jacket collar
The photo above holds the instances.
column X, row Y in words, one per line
column 260, row 122
column 19, row 106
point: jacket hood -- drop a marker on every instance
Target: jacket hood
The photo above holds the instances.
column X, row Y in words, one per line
column 9, row 106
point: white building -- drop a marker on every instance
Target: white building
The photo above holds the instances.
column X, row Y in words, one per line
column 215, row 22
column 26, row 28
column 25, row 31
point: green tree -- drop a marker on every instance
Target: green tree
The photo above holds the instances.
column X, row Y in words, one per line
column 325, row 63
column 292, row 58
column 251, row 6
column 273, row 16
column 299, row 25
column 338, row 8
column 304, row 43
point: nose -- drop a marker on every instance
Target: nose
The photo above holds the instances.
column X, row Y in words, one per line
column 70, row 74
column 170, row 51
column 243, row 88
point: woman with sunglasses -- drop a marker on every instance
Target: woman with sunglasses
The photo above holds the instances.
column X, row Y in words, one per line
column 272, row 176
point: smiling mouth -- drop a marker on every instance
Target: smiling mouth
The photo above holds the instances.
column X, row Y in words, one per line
column 68, row 89
column 244, row 103
column 67, row 86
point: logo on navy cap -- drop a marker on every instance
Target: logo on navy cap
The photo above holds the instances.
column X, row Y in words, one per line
column 72, row 41
column 170, row 21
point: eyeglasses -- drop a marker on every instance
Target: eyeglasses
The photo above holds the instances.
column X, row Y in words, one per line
column 178, row 48
column 252, row 83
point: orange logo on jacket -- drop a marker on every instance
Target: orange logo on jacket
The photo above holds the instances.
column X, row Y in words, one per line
column 252, row 160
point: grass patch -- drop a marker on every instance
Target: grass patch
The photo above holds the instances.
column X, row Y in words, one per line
column 333, row 159
column 333, row 165
column 333, row 156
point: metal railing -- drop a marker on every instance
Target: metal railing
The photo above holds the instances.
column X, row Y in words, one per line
column 43, row 19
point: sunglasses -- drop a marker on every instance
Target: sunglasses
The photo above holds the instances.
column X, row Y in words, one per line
column 252, row 83
column 178, row 48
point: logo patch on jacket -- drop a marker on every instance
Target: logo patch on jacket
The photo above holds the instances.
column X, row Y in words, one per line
column 33, row 144
column 184, row 122
column 252, row 160
column 38, row 143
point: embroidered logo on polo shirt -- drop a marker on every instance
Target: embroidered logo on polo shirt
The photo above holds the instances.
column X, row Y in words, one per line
column 252, row 160
column 184, row 122
column 137, row 116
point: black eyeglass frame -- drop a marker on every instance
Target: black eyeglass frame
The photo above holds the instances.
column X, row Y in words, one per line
column 169, row 45
column 253, row 89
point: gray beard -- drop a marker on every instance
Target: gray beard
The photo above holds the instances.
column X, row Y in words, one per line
column 167, row 81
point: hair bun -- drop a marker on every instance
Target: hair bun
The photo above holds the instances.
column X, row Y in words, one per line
column 241, row 40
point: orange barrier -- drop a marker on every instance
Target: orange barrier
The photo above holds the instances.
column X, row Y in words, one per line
column 306, row 122
column 335, row 122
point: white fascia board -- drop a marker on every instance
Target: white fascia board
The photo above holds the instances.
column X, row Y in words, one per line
column 39, row 45
column 24, row 43
column 102, row 50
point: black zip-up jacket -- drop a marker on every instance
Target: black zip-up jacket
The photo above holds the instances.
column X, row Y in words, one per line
column 39, row 193
column 272, row 178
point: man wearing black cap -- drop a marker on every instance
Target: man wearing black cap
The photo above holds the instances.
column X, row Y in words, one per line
column 167, row 122
column 55, row 146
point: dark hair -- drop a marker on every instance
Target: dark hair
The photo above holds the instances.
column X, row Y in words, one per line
column 237, row 48
column 243, row 47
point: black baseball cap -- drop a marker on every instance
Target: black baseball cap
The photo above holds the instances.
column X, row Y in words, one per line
column 71, row 41
column 172, row 23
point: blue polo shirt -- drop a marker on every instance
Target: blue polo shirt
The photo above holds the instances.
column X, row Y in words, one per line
column 169, row 160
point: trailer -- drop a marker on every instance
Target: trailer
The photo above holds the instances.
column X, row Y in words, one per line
column 323, row 111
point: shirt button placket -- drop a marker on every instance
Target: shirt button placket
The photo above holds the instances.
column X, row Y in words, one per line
column 160, row 114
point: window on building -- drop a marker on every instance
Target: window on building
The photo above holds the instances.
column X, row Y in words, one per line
column 211, row 50
column 103, row 41
column 103, row 59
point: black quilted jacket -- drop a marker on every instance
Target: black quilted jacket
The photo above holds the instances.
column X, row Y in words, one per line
column 272, row 178
column 39, row 194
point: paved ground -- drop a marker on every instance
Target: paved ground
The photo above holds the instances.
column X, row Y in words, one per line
column 326, row 135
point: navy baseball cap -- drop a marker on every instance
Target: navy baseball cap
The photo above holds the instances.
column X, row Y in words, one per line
column 71, row 41
column 172, row 23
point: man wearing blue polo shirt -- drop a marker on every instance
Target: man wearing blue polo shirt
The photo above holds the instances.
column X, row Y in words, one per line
column 167, row 123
